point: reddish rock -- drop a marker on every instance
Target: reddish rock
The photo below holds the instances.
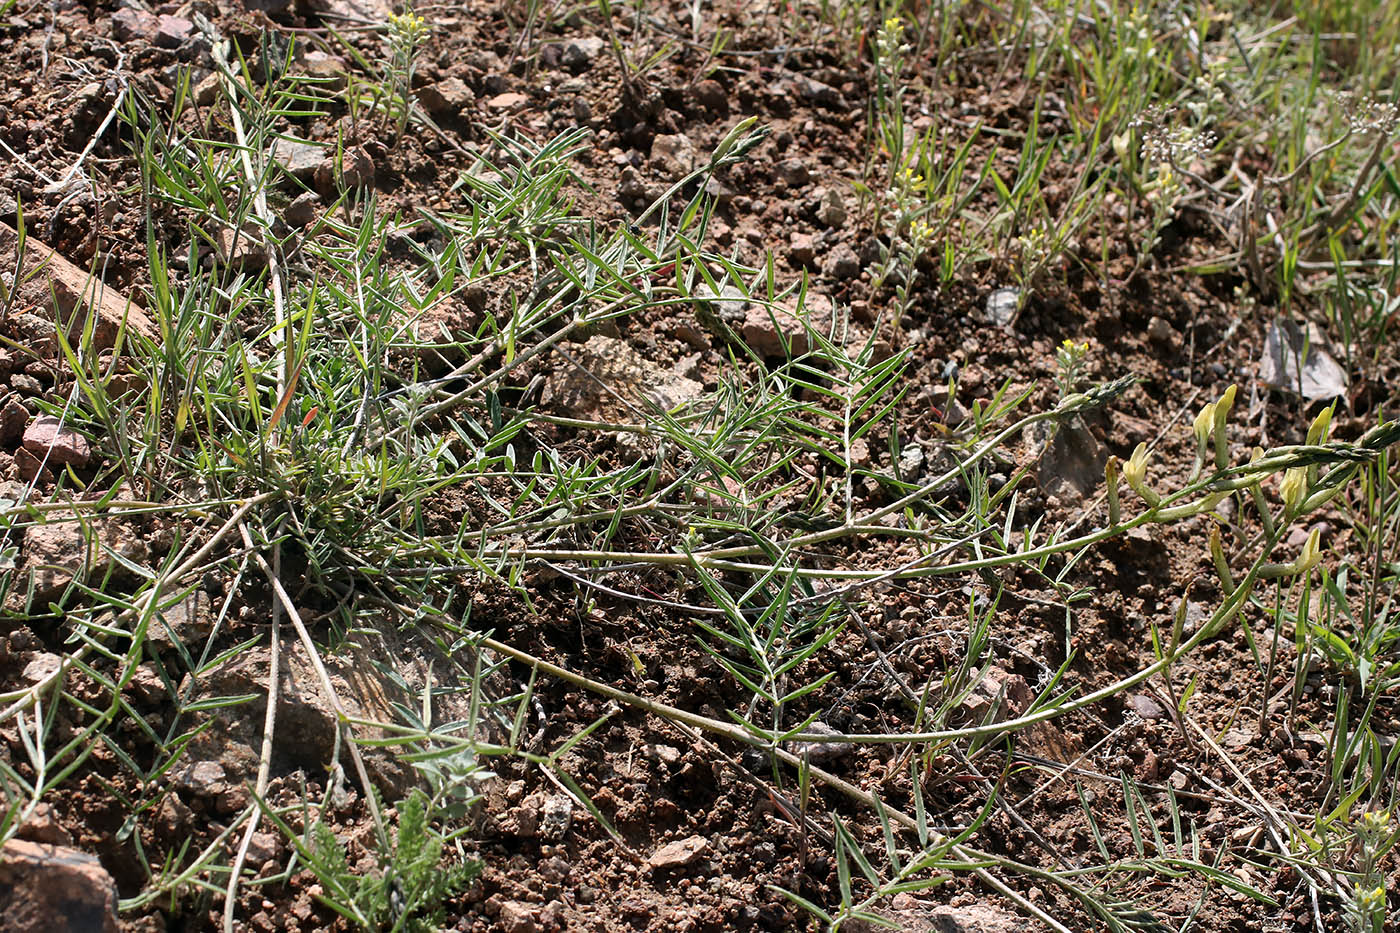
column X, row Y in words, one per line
column 13, row 417
column 356, row 170
column 129, row 25
column 29, row 467
column 44, row 826
column 507, row 101
column 678, row 854
column 48, row 888
column 47, row 437
column 447, row 98
column 172, row 31
column 711, row 96
column 299, row 158
column 325, row 67
column 49, row 280
column 802, row 249
column 767, row 329
column 517, row 918
column 57, row 554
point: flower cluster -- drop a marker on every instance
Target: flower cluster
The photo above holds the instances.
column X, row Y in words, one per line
column 1368, row 115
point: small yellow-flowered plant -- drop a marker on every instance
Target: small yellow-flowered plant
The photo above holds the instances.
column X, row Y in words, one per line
column 1069, row 359
column 407, row 33
column 1368, row 899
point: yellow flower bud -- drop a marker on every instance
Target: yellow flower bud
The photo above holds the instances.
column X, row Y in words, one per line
column 1317, row 432
column 1222, row 412
column 1311, row 554
column 1205, row 421
column 1222, row 565
column 1135, row 472
column 1293, row 487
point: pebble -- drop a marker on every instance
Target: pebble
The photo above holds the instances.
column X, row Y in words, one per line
column 172, row 31
column 26, row 384
column 507, row 101
column 578, row 54
column 842, row 263
column 302, row 210
column 131, row 24
column 13, row 417
column 802, row 249
column 678, row 854
column 63, row 446
column 1161, row 332
column 1001, row 306
column 450, row 97
column 50, row 888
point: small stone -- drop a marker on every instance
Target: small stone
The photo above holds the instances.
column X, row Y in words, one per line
column 302, row 211
column 48, row 437
column 674, row 153
column 298, row 158
column 1161, row 332
column 264, row 847
column 583, row 113
column 450, row 97
column 721, row 192
column 13, row 417
column 173, row 818
column 202, row 777
column 823, row 95
column 356, row 170
column 831, row 210
column 578, row 54
column 678, row 854
column 130, row 24
column 1145, row 706
column 711, row 96
column 26, row 384
column 507, row 101
column 842, row 263
column 666, row 754
column 172, row 31
column 44, row 826
column 780, row 330
column 555, row 817
column 1285, row 345
column 633, row 189
column 52, row 888
column 241, row 249
column 29, row 467
column 802, row 249
column 323, row 66
column 41, row 668
column 1001, row 306
column 911, row 462
column 821, row 752
column 207, row 90
column 146, row 686
column 1072, row 459
column 516, row 917
column 1150, row 768
column 972, row 918
column 794, row 173
column 601, row 361
column 354, row 11
column 55, row 555
column 1009, row 693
